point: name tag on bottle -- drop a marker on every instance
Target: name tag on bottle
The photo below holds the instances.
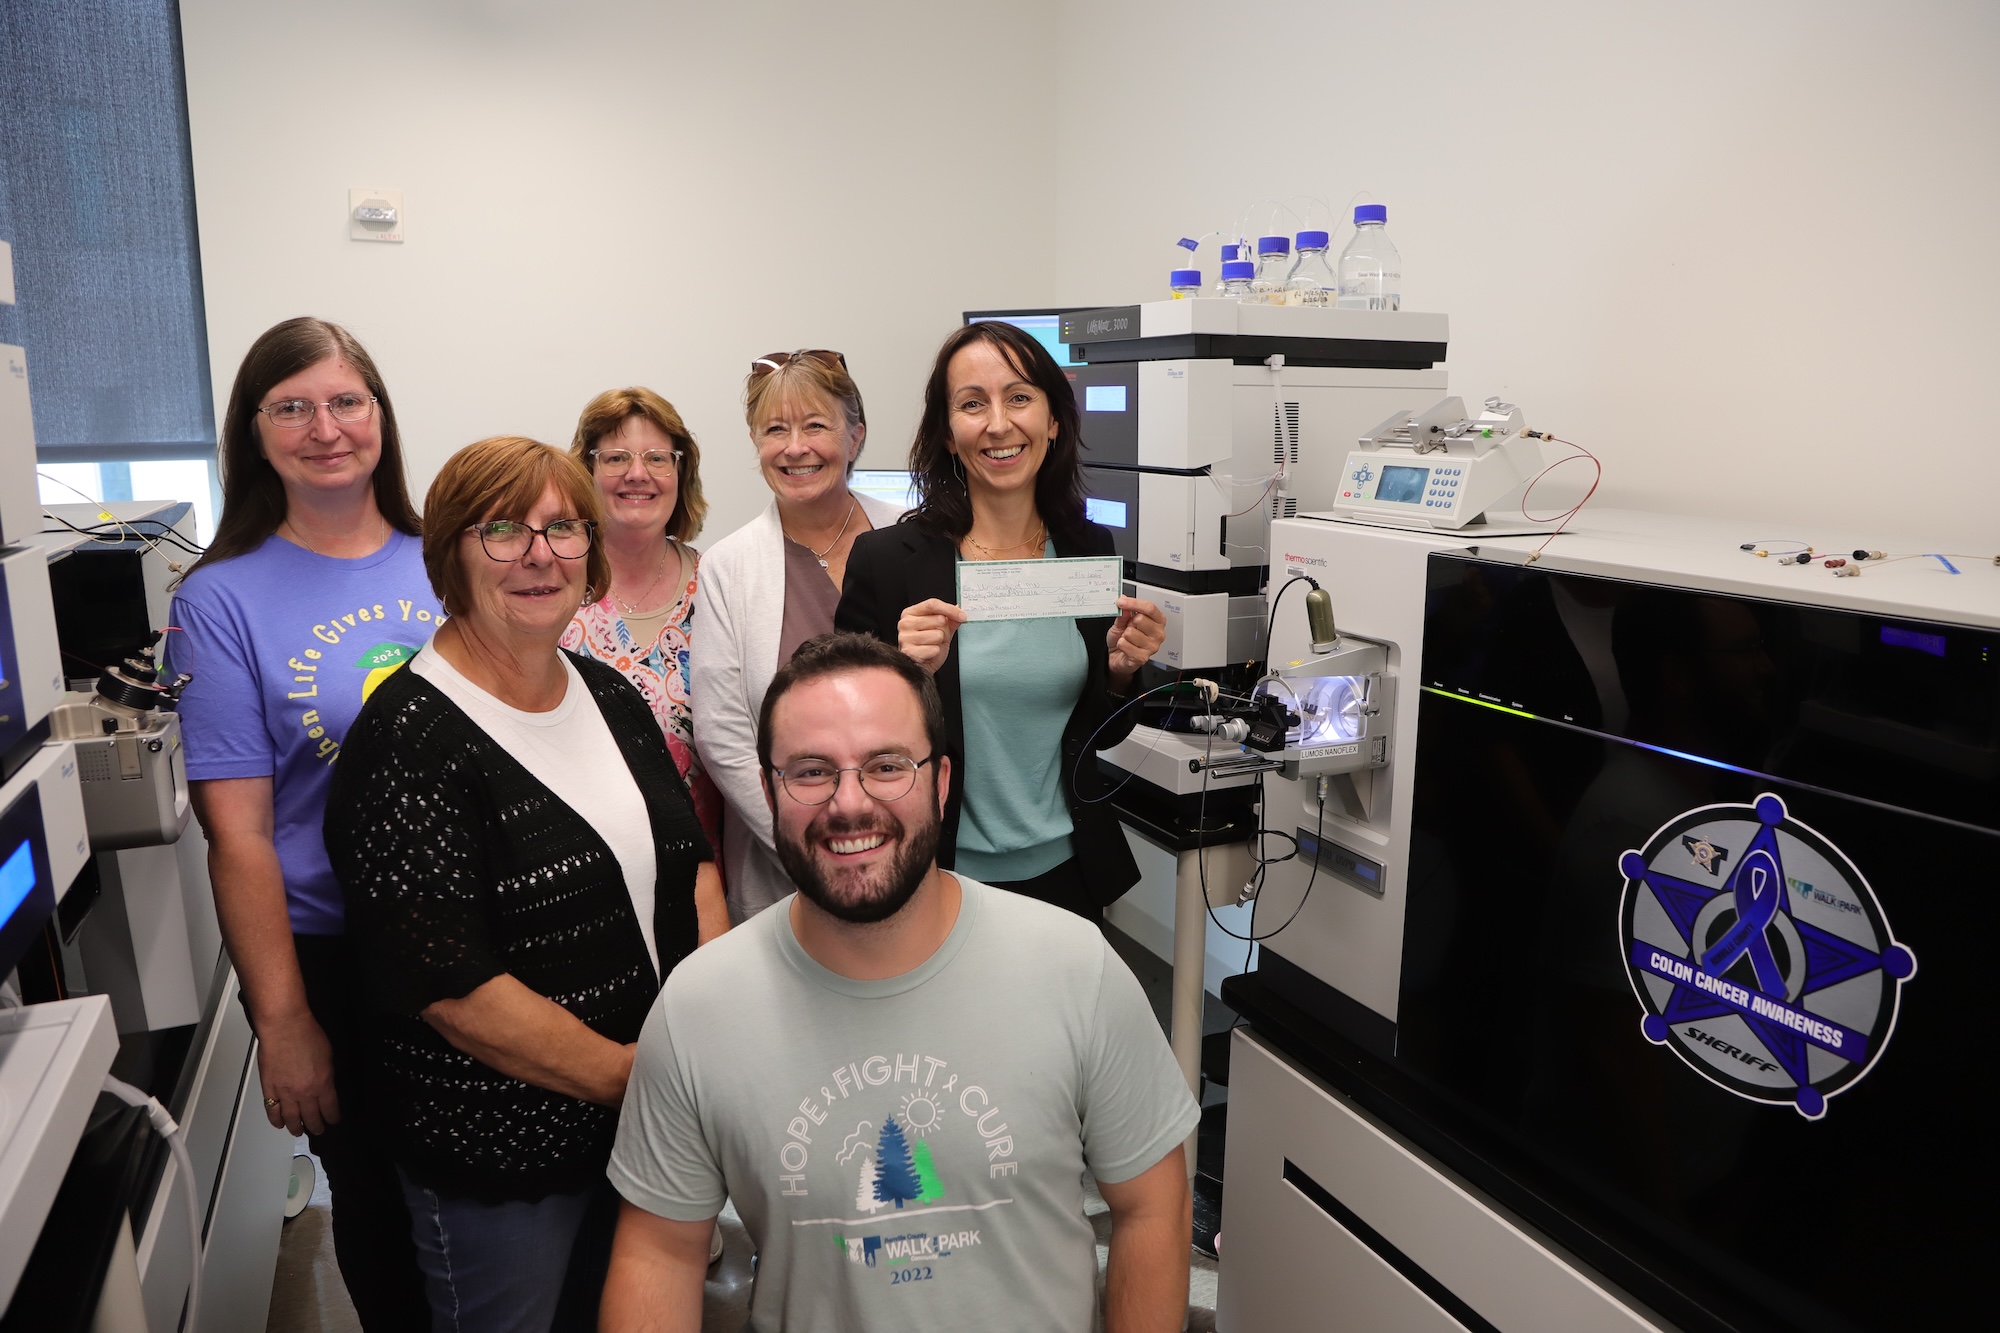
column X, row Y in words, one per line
column 1039, row 589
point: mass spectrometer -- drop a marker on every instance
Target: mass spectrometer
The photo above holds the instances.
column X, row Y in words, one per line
column 1631, row 991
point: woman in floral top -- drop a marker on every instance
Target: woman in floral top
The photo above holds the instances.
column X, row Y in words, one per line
column 648, row 474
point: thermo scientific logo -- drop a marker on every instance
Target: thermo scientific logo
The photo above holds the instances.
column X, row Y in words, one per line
column 1781, row 998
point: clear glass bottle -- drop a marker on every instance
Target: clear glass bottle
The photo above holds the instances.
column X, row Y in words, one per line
column 1371, row 268
column 1312, row 281
column 1229, row 256
column 1185, row 283
column 1236, row 276
column 1274, row 266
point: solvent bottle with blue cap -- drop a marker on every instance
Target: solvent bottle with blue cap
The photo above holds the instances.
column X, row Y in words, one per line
column 1274, row 266
column 1185, row 283
column 1236, row 276
column 1312, row 281
column 1230, row 254
column 1371, row 268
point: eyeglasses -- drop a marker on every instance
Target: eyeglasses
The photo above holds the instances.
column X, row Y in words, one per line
column 506, row 539
column 297, row 413
column 771, row 361
column 657, row 461
column 886, row 777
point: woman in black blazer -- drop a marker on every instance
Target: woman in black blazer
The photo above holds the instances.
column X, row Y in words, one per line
column 996, row 466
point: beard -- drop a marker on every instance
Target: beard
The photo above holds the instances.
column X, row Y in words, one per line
column 864, row 896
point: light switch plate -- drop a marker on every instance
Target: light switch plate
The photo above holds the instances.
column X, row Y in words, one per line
column 358, row 230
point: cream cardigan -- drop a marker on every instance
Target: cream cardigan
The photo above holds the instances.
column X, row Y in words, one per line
column 739, row 616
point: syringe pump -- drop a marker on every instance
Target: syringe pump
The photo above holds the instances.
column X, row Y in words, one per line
column 1439, row 469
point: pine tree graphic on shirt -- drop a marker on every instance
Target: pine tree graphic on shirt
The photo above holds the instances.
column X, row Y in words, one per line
column 929, row 1188
column 895, row 1172
column 864, row 1194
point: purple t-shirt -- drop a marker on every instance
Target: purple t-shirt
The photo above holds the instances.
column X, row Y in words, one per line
column 285, row 646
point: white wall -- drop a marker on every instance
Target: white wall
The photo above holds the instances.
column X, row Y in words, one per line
column 603, row 193
column 1745, row 252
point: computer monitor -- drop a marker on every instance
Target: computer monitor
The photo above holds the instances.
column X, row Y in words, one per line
column 1044, row 324
column 898, row 488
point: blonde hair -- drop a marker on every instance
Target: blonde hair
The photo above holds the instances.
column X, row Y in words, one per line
column 610, row 410
column 817, row 375
column 502, row 477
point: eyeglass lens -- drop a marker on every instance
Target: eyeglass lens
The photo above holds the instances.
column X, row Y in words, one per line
column 656, row 460
column 505, row 539
column 886, row 777
column 296, row 412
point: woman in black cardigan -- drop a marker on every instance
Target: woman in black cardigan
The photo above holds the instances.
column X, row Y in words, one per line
column 521, row 866
column 996, row 464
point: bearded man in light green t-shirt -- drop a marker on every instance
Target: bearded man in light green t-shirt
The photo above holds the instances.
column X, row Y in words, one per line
column 900, row 1075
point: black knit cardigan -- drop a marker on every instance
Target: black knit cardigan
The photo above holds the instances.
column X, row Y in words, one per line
column 458, row 865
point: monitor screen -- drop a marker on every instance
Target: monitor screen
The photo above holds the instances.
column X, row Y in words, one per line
column 27, row 886
column 897, row 488
column 1111, row 513
column 1402, row 485
column 1045, row 325
column 1693, row 933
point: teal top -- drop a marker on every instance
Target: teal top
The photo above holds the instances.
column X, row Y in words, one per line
column 1019, row 681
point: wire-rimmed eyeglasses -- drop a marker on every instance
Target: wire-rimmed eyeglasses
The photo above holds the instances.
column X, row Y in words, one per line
column 657, row 461
column 507, row 539
column 886, row 777
column 297, row 413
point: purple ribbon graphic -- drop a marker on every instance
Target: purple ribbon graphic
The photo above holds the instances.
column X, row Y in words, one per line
column 1759, row 890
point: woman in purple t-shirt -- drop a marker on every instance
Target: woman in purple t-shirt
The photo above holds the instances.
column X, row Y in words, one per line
column 312, row 592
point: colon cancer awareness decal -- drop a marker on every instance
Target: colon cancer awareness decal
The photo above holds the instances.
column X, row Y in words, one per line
column 1760, row 954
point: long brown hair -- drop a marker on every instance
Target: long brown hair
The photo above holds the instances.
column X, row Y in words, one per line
column 943, row 503
column 253, row 495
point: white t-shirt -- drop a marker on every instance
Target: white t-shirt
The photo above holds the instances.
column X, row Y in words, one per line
column 569, row 750
column 906, row 1153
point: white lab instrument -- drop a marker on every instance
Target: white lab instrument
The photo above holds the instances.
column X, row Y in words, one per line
column 1440, row 468
column 128, row 753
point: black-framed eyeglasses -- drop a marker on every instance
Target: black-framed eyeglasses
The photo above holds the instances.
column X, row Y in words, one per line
column 298, row 413
column 886, row 777
column 659, row 462
column 507, row 539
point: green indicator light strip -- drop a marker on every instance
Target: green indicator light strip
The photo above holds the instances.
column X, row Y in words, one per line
column 1483, row 703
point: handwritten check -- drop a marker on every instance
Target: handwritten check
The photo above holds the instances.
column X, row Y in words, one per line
column 1039, row 589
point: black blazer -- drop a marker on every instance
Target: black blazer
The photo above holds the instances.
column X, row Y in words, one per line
column 896, row 567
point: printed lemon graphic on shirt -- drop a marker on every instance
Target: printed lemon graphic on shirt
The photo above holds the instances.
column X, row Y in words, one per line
column 379, row 661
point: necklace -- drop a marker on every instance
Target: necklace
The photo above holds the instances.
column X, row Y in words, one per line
column 1035, row 541
column 821, row 555
column 299, row 537
column 632, row 608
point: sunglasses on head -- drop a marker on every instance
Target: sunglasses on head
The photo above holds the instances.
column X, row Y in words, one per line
column 771, row 361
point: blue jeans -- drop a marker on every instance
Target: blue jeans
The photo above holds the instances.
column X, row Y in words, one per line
column 501, row 1267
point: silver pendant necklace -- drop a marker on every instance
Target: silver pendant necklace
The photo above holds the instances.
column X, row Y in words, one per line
column 821, row 555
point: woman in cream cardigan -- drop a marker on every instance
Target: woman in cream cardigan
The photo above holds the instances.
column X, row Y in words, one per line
column 771, row 585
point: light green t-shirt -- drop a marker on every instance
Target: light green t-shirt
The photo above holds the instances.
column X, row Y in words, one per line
column 1018, row 684
column 906, row 1153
